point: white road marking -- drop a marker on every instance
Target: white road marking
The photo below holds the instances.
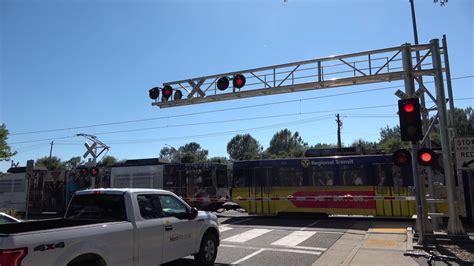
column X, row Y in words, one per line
column 260, row 250
column 241, row 221
column 294, row 238
column 275, row 249
column 224, row 228
column 246, row 236
column 295, row 251
column 249, row 256
column 309, row 225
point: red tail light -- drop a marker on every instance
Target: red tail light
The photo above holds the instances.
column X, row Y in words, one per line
column 12, row 257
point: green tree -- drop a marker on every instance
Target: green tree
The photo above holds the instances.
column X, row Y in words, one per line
column 285, row 144
column 390, row 139
column 55, row 163
column 392, row 144
column 107, row 161
column 389, row 132
column 72, row 163
column 464, row 122
column 219, row 159
column 192, row 152
column 364, row 147
column 171, row 154
column 5, row 151
column 243, row 147
column 323, row 146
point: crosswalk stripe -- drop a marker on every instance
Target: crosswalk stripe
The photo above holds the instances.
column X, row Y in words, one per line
column 248, row 235
column 294, row 238
column 224, row 228
column 273, row 249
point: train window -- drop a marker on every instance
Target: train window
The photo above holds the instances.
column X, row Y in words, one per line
column 382, row 174
column 321, row 176
column 221, row 178
column 206, row 178
column 397, row 176
column 290, row 176
column 239, row 178
column 353, row 175
column 168, row 177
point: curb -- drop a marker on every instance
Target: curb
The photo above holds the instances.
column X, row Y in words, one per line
column 409, row 239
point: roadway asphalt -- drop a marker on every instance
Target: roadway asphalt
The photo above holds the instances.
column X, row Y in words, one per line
column 253, row 240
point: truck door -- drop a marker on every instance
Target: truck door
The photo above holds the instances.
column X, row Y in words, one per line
column 180, row 233
column 149, row 230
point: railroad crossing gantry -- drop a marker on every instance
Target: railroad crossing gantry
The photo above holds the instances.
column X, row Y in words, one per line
column 381, row 65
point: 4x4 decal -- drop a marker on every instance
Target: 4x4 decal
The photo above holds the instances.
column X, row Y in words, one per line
column 46, row 247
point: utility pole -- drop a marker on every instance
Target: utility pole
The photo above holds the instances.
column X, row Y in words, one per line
column 435, row 221
column 339, row 126
column 50, row 155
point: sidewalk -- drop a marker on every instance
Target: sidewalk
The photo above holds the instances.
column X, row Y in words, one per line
column 382, row 244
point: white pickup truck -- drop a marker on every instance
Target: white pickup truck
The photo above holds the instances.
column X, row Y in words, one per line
column 114, row 227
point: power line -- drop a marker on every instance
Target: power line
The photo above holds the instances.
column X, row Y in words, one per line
column 31, row 148
column 218, row 110
column 137, row 141
column 233, row 120
column 207, row 122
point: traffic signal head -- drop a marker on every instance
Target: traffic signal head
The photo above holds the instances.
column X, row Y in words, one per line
column 94, row 171
column 154, row 93
column 167, row 92
column 238, row 81
column 426, row 157
column 178, row 95
column 401, row 157
column 409, row 112
column 83, row 172
column 223, row 83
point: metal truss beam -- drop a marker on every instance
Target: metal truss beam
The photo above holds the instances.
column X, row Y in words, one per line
column 334, row 71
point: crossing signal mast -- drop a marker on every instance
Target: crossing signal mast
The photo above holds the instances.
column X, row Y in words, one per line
column 375, row 66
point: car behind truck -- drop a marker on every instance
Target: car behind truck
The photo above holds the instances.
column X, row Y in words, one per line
column 114, row 227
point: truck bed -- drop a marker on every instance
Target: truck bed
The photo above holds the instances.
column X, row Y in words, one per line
column 14, row 228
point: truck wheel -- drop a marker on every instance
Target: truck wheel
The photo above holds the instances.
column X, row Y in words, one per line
column 208, row 250
column 87, row 260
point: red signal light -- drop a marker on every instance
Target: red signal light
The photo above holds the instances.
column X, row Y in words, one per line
column 238, row 81
column 401, row 157
column 83, row 172
column 426, row 157
column 409, row 107
column 94, row 171
column 409, row 113
column 167, row 92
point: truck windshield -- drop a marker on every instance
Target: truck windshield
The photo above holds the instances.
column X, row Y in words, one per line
column 110, row 207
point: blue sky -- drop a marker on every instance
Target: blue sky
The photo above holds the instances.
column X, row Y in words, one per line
column 66, row 64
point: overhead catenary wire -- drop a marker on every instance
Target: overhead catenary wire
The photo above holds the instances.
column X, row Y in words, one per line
column 207, row 122
column 218, row 110
column 137, row 141
column 210, row 122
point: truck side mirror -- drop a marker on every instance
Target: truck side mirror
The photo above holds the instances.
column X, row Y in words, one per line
column 193, row 213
